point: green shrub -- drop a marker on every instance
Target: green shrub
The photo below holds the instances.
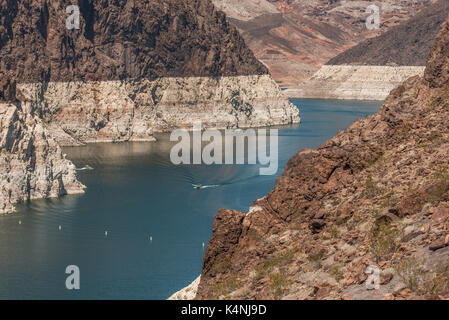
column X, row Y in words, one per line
column 225, row 287
column 278, row 282
column 371, row 188
column 382, row 242
column 422, row 281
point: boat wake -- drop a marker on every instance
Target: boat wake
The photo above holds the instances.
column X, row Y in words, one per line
column 199, row 186
column 86, row 167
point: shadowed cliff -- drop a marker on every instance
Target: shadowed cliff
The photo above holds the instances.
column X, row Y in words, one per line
column 407, row 44
column 117, row 40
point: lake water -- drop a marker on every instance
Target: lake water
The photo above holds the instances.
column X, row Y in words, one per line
column 134, row 193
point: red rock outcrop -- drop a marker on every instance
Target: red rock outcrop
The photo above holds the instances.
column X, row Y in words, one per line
column 295, row 38
column 375, row 195
column 407, row 44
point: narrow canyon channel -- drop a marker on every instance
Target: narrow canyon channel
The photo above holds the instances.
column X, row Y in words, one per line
column 138, row 231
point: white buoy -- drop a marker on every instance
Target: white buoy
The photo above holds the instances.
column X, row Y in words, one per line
column 203, row 245
column 151, row 239
column 20, row 221
column 60, row 228
column 106, row 233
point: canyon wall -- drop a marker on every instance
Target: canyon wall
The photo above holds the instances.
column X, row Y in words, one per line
column 294, row 38
column 131, row 68
column 131, row 110
column 371, row 69
column 32, row 164
column 134, row 68
column 352, row 82
column 374, row 196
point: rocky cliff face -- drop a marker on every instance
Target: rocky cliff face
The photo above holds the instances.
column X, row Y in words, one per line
column 371, row 69
column 295, row 38
column 119, row 40
column 375, row 195
column 407, row 44
column 133, row 68
column 32, row 163
column 354, row 82
column 131, row 110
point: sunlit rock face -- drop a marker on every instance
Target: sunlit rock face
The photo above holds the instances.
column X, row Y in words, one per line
column 131, row 68
column 134, row 68
column 32, row 163
column 376, row 194
column 131, row 110
column 352, row 82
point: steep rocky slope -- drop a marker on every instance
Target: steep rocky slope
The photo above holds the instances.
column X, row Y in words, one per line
column 32, row 164
column 133, row 67
column 120, row 40
column 370, row 70
column 295, row 38
column 407, row 44
column 375, row 195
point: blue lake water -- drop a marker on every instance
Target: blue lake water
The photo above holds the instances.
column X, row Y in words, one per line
column 134, row 193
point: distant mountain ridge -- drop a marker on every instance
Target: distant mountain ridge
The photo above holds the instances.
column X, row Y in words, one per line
column 134, row 67
column 371, row 69
column 407, row 44
column 295, row 38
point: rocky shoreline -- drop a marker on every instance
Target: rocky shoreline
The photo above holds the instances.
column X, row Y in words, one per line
column 131, row 110
column 351, row 82
column 187, row 293
column 131, row 69
column 374, row 196
column 33, row 165
column 76, row 113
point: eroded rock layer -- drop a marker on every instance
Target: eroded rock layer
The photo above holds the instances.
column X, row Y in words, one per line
column 118, row 40
column 352, row 82
column 374, row 196
column 32, row 164
column 133, row 67
column 130, row 69
column 131, row 110
column 371, row 69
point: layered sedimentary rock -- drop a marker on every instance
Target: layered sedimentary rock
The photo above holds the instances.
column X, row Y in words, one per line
column 32, row 164
column 134, row 68
column 294, row 38
column 353, row 82
column 371, row 202
column 127, row 69
column 131, row 110
column 375, row 66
